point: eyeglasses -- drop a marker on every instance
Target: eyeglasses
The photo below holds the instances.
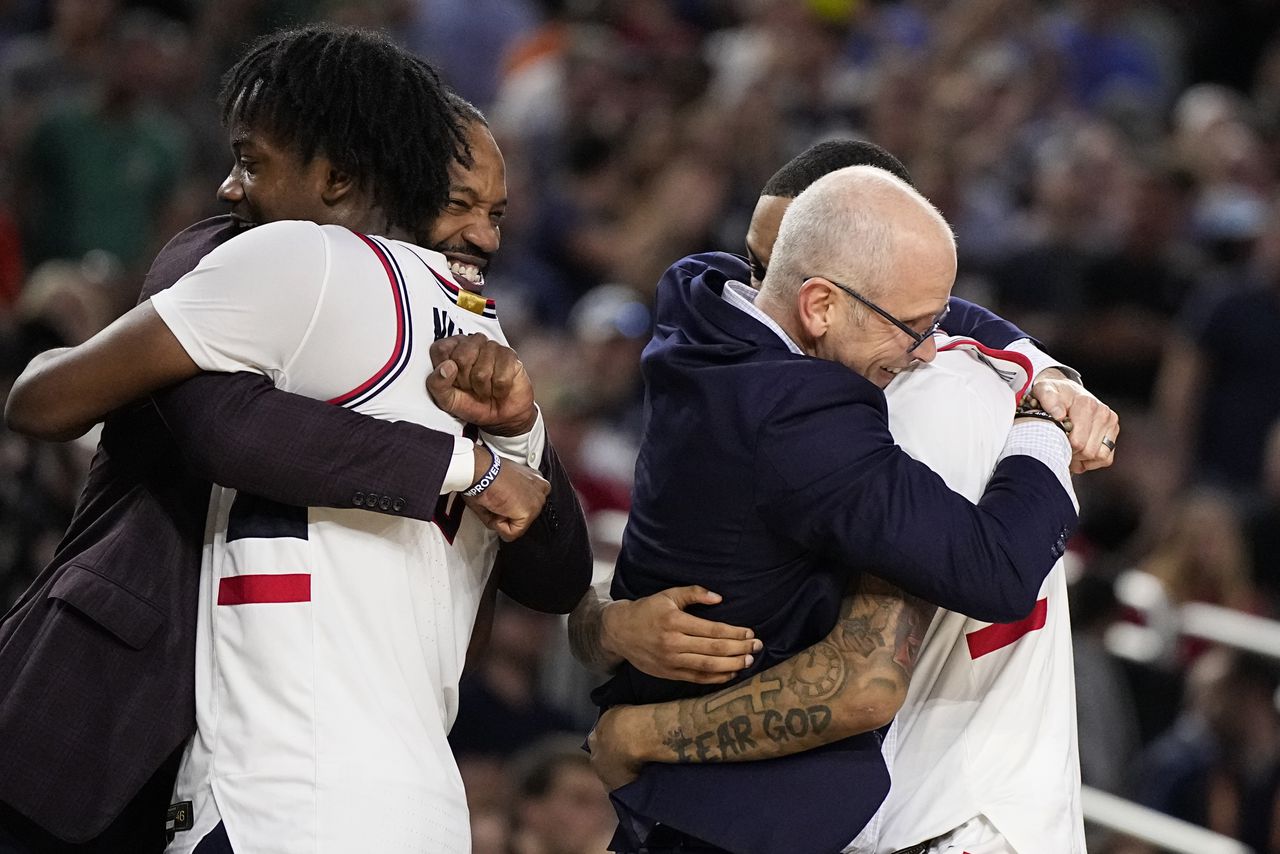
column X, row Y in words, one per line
column 917, row 337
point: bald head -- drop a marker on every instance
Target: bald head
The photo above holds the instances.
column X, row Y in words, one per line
column 863, row 230
column 859, row 225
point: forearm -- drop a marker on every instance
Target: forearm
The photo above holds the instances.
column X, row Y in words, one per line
column 549, row 568
column 852, row 681
column 586, row 633
column 35, row 409
column 63, row 392
column 238, row 430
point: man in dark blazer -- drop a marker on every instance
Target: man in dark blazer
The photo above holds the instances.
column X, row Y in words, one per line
column 655, row 632
column 770, row 476
column 97, row 657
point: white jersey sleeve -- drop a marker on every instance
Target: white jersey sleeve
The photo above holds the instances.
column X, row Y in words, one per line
column 250, row 303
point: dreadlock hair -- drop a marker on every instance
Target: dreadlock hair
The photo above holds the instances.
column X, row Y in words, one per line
column 826, row 157
column 378, row 112
column 467, row 111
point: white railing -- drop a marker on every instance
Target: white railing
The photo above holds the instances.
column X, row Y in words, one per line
column 1156, row 828
column 1156, row 642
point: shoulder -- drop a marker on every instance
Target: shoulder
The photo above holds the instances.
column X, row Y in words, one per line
column 952, row 414
column 279, row 249
column 183, row 252
column 817, row 391
column 280, row 246
column 711, row 268
column 956, row 382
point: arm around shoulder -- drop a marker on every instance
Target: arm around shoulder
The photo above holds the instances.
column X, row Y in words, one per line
column 852, row 681
column 240, row 431
column 867, row 501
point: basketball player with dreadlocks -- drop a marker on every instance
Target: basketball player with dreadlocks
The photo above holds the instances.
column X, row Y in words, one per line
column 95, row 659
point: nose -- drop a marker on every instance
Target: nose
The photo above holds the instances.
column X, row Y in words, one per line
column 230, row 190
column 483, row 234
column 927, row 351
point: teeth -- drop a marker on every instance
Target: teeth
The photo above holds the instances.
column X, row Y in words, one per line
column 470, row 272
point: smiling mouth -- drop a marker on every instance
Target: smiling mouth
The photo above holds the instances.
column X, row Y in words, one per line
column 470, row 276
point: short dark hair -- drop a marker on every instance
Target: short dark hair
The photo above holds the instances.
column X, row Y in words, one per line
column 826, row 157
column 377, row 111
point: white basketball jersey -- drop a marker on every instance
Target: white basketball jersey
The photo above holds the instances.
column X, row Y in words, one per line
column 988, row 727
column 330, row 641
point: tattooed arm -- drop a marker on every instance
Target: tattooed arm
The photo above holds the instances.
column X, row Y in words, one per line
column 853, row 680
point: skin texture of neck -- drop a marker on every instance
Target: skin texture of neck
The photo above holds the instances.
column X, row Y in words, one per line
column 785, row 316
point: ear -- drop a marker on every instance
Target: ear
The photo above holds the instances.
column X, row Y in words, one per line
column 817, row 307
column 337, row 185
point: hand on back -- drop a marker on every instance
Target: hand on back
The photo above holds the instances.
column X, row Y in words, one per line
column 658, row 636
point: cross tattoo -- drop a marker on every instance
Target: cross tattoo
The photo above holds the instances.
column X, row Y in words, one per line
column 754, row 690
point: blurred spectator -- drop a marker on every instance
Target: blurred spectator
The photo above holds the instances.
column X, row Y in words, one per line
column 1106, row 716
column 468, row 39
column 1264, row 523
column 1216, row 366
column 1131, row 293
column 499, row 708
column 611, row 325
column 1201, row 554
column 501, row 711
column 592, row 393
column 559, row 807
column 57, row 64
column 1072, row 217
column 98, row 172
column 62, row 304
column 1105, row 56
column 1219, row 765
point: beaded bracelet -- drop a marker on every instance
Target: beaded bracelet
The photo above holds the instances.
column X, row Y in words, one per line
column 486, row 480
column 1030, row 408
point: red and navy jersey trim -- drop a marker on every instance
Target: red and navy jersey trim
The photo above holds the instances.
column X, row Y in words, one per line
column 451, row 288
column 400, row 353
column 1004, row 355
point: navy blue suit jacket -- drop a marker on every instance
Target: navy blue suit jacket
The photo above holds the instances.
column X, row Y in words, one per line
column 771, row 478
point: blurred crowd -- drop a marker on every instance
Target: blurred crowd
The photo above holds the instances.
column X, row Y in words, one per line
column 1111, row 169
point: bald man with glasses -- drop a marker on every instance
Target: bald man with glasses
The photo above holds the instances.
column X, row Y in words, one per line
column 767, row 473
